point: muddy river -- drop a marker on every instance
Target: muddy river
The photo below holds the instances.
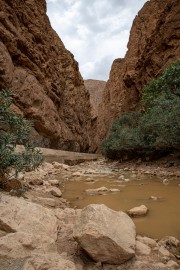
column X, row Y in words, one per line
column 163, row 218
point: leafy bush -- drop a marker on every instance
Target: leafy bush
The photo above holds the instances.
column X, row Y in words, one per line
column 15, row 130
column 155, row 130
column 124, row 137
column 167, row 86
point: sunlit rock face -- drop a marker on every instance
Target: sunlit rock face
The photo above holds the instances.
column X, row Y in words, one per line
column 44, row 76
column 153, row 45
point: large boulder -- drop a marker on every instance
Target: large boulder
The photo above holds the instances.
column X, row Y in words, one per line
column 28, row 228
column 17, row 214
column 106, row 235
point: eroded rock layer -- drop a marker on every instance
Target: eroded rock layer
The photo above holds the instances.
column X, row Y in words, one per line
column 154, row 43
column 43, row 75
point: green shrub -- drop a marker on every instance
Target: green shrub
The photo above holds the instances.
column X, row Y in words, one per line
column 124, row 137
column 168, row 85
column 155, row 130
column 15, row 130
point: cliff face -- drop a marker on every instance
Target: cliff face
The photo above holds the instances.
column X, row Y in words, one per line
column 95, row 89
column 43, row 75
column 154, row 43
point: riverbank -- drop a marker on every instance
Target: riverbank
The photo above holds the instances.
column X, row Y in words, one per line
column 30, row 241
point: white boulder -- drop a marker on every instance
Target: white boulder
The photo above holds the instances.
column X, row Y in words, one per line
column 106, row 235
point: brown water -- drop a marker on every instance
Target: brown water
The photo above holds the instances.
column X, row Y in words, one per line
column 163, row 218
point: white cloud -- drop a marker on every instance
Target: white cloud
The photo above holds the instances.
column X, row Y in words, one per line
column 95, row 31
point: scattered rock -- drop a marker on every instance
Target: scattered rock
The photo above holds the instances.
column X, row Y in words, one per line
column 114, row 190
column 58, row 165
column 90, row 171
column 77, row 174
column 142, row 249
column 148, row 241
column 104, row 240
column 23, row 244
column 53, row 182
column 48, row 261
column 97, row 191
column 172, row 265
column 166, row 182
column 55, row 191
column 154, row 198
column 20, row 176
column 89, row 179
column 47, row 201
column 164, row 252
column 138, row 211
column 36, row 181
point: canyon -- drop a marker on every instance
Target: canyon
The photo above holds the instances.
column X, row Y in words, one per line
column 69, row 113
column 39, row 229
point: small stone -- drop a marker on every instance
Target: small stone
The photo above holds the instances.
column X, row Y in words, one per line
column 97, row 191
column 166, row 182
column 159, row 265
column 142, row 249
column 163, row 251
column 153, row 198
column 77, row 174
column 114, row 189
column 146, row 240
column 55, row 192
column 53, row 182
column 46, row 167
column 36, row 181
column 172, row 264
column 138, row 211
column 89, row 179
column 20, row 176
column 47, row 201
column 58, row 165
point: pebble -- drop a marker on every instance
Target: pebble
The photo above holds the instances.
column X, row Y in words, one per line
column 163, row 251
column 172, row 264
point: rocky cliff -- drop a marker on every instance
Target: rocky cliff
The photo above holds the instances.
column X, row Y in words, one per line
column 95, row 89
column 154, row 43
column 43, row 75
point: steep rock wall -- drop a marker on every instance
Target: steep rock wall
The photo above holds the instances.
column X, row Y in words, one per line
column 43, row 75
column 154, row 43
column 95, row 89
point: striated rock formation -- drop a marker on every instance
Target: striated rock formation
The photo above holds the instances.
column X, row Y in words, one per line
column 43, row 75
column 95, row 88
column 154, row 43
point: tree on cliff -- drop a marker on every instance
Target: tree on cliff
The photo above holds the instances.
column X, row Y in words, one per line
column 14, row 130
column 155, row 131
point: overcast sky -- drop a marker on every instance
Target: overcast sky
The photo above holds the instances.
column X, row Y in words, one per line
column 95, row 31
